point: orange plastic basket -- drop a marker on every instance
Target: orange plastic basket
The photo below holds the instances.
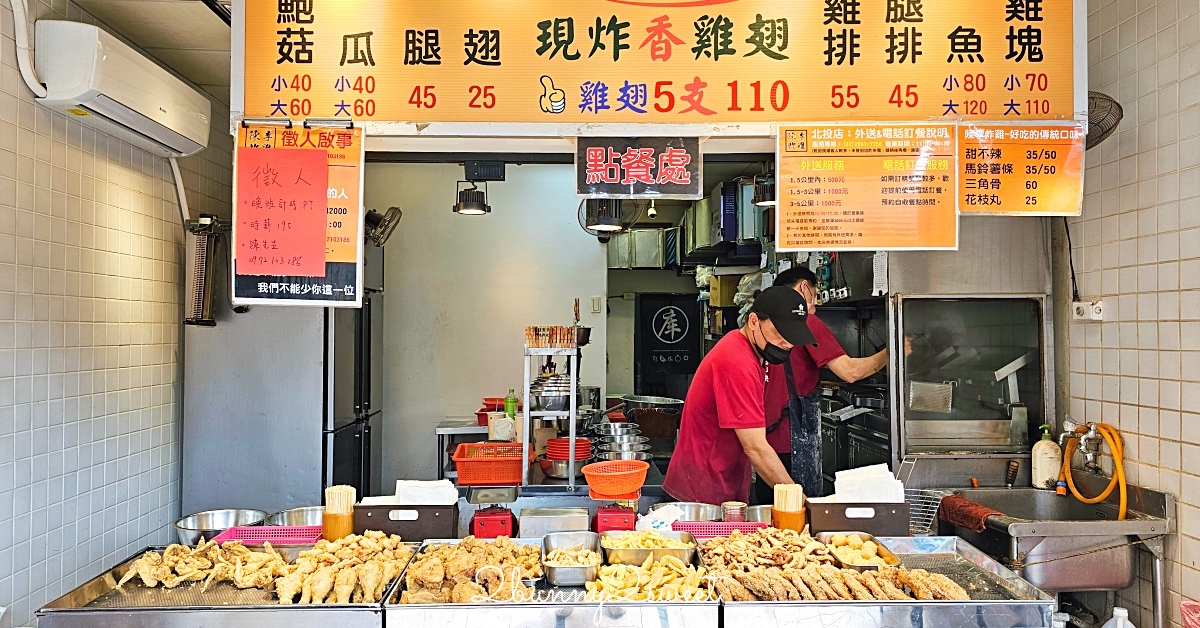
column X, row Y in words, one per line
column 616, row 477
column 488, row 464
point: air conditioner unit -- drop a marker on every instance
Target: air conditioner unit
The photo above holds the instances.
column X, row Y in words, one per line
column 91, row 74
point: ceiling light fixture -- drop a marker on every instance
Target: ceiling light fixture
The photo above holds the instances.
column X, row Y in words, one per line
column 764, row 191
column 472, row 201
column 604, row 215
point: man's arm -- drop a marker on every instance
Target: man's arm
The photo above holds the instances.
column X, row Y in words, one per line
column 853, row 369
column 762, row 456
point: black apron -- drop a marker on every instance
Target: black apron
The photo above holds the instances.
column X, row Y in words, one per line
column 804, row 416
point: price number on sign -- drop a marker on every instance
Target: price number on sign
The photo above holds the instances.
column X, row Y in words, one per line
column 844, row 96
column 482, row 97
column 423, row 97
column 779, row 96
column 906, row 98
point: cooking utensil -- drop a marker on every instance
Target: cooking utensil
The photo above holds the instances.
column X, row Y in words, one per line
column 624, row 455
column 570, row 576
column 638, row 556
column 534, row 523
column 759, row 514
column 549, row 403
column 631, row 404
column 615, row 429
column 623, row 447
column 306, row 516
column 557, row 468
column 935, row 397
column 626, row 439
column 693, row 511
column 210, row 523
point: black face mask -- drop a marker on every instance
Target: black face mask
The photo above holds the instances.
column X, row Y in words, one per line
column 772, row 354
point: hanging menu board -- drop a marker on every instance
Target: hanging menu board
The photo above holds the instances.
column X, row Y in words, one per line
column 1026, row 170
column 849, row 187
column 297, row 216
column 658, row 61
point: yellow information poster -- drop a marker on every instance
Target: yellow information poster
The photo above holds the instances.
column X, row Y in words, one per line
column 1026, row 170
column 341, row 282
column 658, row 61
column 849, row 187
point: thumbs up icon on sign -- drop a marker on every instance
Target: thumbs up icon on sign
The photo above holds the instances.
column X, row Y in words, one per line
column 554, row 100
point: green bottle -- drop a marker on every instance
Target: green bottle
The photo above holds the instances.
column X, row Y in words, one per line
column 510, row 404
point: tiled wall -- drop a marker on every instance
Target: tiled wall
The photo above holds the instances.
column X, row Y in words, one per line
column 1137, row 246
column 90, row 304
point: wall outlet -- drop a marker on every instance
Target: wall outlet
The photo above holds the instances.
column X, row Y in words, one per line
column 597, row 303
column 1097, row 310
column 1081, row 311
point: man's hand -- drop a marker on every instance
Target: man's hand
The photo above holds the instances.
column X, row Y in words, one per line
column 907, row 346
column 762, row 456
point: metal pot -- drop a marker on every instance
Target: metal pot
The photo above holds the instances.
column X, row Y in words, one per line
column 549, row 403
column 759, row 514
column 625, row 439
column 693, row 511
column 210, row 523
column 631, row 404
column 615, row 429
column 583, row 420
column 623, row 447
column 583, row 335
column 558, row 468
column 589, row 396
column 625, row 455
column 306, row 516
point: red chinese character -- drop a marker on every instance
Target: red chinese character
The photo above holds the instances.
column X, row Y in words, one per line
column 290, row 137
column 325, row 140
column 638, row 164
column 344, row 139
column 661, row 38
column 695, row 97
column 672, row 166
column 601, row 167
column 307, row 140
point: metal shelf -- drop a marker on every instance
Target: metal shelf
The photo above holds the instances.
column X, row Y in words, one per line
column 548, row 414
column 566, row 351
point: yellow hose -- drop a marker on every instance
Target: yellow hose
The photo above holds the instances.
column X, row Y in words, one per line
column 1113, row 438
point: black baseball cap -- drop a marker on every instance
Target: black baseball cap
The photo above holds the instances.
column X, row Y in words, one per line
column 788, row 311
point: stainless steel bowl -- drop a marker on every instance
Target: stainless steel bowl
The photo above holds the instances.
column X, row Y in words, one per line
column 210, row 523
column 558, row 468
column 759, row 514
column 615, row 429
column 627, row 439
column 623, row 447
column 624, row 455
column 693, row 511
column 549, row 403
column 306, row 516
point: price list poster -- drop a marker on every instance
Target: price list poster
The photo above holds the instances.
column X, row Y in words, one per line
column 1025, row 170
column 298, row 220
column 849, row 187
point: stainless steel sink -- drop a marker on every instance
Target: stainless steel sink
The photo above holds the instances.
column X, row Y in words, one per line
column 1062, row 544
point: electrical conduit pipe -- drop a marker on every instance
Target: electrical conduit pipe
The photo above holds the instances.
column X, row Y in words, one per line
column 1113, row 438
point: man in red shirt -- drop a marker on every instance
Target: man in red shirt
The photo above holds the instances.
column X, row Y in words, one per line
column 722, row 433
column 806, row 363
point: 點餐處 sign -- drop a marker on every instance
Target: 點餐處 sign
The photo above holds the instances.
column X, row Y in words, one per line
column 660, row 61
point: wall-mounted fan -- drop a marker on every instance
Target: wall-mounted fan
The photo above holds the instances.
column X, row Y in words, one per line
column 1104, row 114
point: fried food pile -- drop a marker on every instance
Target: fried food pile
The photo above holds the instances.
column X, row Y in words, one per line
column 472, row 570
column 853, row 550
column 354, row 569
column 668, row 580
column 767, row 547
column 208, row 562
column 780, row 565
column 575, row 556
column 644, row 539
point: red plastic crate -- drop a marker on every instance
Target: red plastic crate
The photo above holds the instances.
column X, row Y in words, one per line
column 488, row 464
column 705, row 530
column 277, row 535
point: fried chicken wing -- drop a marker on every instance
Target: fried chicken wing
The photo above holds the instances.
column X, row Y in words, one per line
column 343, row 584
column 370, row 575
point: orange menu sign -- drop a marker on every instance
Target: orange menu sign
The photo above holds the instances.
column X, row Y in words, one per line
column 850, row 187
column 1031, row 170
column 658, row 61
column 338, row 281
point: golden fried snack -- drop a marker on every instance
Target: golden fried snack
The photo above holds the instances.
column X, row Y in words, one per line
column 868, row 580
column 730, row 590
column 576, row 556
column 793, row 576
column 817, row 584
column 833, row 577
column 854, row 583
column 782, row 584
column 467, row 593
column 759, row 586
column 915, row 583
column 943, row 588
column 644, row 539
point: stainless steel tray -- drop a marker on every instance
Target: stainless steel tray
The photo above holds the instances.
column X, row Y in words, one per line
column 639, row 556
column 393, row 593
column 1002, row 599
column 98, row 603
column 886, row 554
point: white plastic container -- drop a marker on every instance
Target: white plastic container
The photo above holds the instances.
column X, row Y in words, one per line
column 1047, row 461
column 1120, row 619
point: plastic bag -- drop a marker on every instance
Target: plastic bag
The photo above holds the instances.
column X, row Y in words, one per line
column 703, row 274
column 659, row 519
column 748, row 289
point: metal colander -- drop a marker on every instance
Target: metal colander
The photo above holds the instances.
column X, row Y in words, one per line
column 923, row 505
column 935, row 397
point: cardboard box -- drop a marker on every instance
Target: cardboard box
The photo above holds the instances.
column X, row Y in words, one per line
column 874, row 519
column 721, row 290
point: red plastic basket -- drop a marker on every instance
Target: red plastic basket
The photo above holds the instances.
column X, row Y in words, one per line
column 488, row 464
column 616, row 477
column 277, row 535
column 705, row 530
